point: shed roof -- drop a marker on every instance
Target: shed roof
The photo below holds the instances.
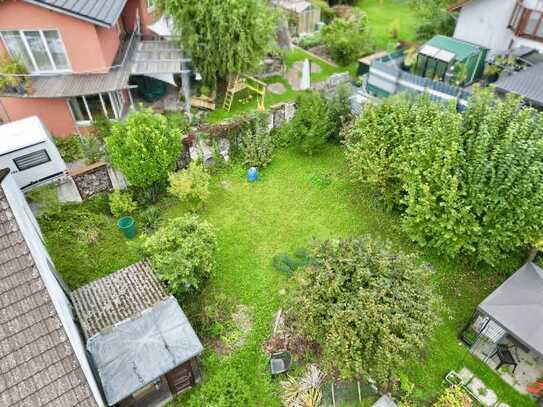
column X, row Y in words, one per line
column 100, row 12
column 21, row 133
column 137, row 352
column 461, row 49
column 38, row 365
column 517, row 305
column 527, row 83
column 117, row 297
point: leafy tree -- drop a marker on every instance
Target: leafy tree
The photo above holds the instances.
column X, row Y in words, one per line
column 347, row 39
column 222, row 37
column 144, row 147
column 183, row 253
column 435, row 17
column 190, row 185
column 468, row 185
column 256, row 144
column 311, row 125
column 369, row 308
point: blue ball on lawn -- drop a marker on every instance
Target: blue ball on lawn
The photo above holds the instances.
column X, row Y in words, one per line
column 252, row 174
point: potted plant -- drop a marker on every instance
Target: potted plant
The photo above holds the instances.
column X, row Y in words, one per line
column 12, row 77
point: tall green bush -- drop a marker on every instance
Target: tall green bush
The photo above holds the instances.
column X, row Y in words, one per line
column 69, row 148
column 144, row 147
column 311, row 125
column 121, row 204
column 190, row 185
column 339, row 108
column 256, row 145
column 347, row 39
column 182, row 252
column 369, row 308
column 467, row 184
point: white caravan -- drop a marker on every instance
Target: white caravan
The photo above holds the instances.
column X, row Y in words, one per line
column 28, row 150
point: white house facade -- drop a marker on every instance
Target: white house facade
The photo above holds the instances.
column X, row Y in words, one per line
column 501, row 25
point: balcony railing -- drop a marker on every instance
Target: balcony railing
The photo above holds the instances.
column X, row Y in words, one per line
column 527, row 22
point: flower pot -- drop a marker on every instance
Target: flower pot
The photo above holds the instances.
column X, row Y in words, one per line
column 127, row 226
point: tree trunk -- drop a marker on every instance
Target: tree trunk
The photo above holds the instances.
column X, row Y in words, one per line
column 532, row 254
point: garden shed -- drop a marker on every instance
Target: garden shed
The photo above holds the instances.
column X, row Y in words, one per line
column 304, row 16
column 139, row 340
column 449, row 59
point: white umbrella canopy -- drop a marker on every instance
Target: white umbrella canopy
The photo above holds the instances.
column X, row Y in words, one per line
column 162, row 27
column 517, row 306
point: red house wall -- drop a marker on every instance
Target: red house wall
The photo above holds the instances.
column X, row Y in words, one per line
column 54, row 113
column 89, row 48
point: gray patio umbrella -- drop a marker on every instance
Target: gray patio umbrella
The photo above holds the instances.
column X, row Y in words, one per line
column 517, row 306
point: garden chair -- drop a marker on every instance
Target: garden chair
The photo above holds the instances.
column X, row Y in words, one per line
column 505, row 356
column 280, row 362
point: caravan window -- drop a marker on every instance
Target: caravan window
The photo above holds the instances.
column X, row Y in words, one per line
column 31, row 160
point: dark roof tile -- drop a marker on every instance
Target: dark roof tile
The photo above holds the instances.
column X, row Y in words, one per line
column 34, row 350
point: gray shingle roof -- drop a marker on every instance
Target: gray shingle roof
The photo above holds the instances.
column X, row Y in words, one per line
column 527, row 83
column 100, row 12
column 38, row 366
column 117, row 297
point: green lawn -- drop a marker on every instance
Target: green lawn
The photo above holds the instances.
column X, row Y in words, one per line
column 384, row 15
column 297, row 199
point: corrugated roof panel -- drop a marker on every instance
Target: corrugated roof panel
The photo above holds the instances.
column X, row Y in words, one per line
column 100, row 12
column 527, row 83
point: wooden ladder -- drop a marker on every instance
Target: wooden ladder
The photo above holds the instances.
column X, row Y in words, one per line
column 234, row 86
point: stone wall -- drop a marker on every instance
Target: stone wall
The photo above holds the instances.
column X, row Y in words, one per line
column 225, row 135
column 332, row 82
column 92, row 180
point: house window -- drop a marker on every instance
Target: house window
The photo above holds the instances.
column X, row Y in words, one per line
column 527, row 22
column 40, row 50
column 85, row 109
column 31, row 160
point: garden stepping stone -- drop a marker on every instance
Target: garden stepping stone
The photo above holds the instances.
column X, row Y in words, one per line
column 466, row 375
column 485, row 395
column 277, row 88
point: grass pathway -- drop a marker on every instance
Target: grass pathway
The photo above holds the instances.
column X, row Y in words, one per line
column 297, row 199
